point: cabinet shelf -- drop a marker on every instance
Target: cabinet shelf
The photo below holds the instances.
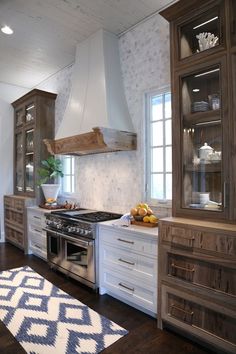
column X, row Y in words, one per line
column 204, row 168
column 200, row 119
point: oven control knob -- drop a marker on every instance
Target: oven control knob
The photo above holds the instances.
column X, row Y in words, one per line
column 71, row 229
column 58, row 226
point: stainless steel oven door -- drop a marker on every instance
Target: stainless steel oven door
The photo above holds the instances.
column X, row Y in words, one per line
column 53, row 247
column 78, row 257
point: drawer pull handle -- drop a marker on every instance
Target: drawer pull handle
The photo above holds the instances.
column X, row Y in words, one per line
column 126, row 241
column 37, row 230
column 182, row 268
column 38, row 247
column 36, row 217
column 190, row 313
column 126, row 287
column 124, row 261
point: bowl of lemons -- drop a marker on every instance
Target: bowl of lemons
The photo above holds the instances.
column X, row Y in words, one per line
column 143, row 213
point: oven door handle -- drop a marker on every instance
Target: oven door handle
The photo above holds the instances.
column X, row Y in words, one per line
column 69, row 238
column 76, row 240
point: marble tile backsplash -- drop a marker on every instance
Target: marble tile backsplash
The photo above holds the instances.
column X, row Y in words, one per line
column 115, row 181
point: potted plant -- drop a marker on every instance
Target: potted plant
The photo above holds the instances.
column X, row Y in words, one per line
column 50, row 169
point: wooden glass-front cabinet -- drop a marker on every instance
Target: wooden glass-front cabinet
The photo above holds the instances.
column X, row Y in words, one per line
column 203, row 54
column 34, row 121
column 197, row 257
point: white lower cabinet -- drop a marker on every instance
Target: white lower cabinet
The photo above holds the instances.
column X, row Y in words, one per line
column 128, row 265
column 37, row 241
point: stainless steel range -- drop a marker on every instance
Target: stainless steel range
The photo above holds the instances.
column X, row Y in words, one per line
column 72, row 242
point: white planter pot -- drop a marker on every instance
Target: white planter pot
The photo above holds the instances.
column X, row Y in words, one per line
column 50, row 191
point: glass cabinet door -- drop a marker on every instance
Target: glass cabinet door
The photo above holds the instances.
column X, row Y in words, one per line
column 29, row 161
column 19, row 117
column 30, row 113
column 201, row 34
column 202, row 137
column 19, row 163
column 233, row 22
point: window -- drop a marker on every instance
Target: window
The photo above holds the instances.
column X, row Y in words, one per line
column 159, row 147
column 68, row 181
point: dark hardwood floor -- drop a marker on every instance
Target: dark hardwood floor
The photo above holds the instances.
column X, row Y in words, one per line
column 143, row 337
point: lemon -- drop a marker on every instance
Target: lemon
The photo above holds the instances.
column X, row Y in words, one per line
column 146, row 219
column 153, row 219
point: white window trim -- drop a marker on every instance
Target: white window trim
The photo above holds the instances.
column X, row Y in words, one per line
column 147, row 96
column 64, row 194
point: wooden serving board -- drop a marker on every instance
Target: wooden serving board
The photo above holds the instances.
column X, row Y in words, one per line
column 141, row 223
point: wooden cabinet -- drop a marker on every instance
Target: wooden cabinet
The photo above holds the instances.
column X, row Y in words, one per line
column 203, row 59
column 36, row 223
column 15, row 220
column 128, row 265
column 197, row 280
column 34, row 121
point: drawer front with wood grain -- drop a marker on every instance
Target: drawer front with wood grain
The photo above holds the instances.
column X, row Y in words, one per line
column 14, row 217
column 204, row 241
column 19, row 204
column 200, row 318
column 8, row 202
column 199, row 272
column 15, row 236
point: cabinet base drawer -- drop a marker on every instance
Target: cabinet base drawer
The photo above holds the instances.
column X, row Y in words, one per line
column 129, row 242
column 204, row 273
column 132, row 264
column 199, row 318
column 145, row 296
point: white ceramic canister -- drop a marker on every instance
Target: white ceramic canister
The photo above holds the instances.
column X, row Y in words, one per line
column 204, row 151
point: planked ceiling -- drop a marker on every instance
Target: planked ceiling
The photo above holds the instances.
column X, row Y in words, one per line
column 46, row 32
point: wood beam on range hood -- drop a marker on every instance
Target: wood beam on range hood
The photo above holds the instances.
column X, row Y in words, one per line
column 100, row 140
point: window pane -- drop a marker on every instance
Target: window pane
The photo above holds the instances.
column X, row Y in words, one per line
column 168, row 134
column 167, row 105
column 157, row 160
column 169, row 186
column 157, row 108
column 72, row 165
column 169, row 159
column 157, row 191
column 66, row 165
column 66, row 184
column 72, row 184
column 157, row 134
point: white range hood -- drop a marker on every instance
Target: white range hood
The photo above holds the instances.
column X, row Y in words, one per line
column 96, row 118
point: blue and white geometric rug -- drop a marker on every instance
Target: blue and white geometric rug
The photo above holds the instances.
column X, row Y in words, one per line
column 46, row 320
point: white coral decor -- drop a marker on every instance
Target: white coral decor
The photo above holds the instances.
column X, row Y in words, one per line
column 206, row 40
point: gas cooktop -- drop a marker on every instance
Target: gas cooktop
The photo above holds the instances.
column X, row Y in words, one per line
column 87, row 215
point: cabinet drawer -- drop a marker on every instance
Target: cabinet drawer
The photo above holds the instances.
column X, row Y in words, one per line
column 14, row 217
column 199, row 317
column 132, row 264
column 37, row 238
column 8, row 202
column 14, row 236
column 203, row 273
column 36, row 218
column 215, row 242
column 19, row 204
column 144, row 296
column 129, row 242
